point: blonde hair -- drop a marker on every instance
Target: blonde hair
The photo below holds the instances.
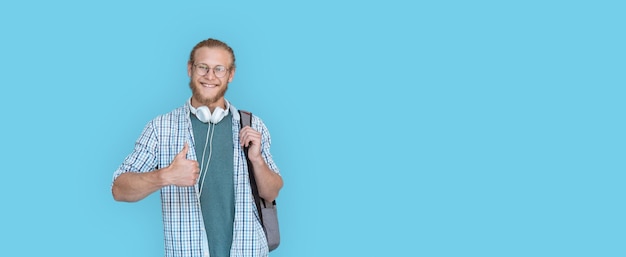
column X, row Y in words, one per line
column 212, row 43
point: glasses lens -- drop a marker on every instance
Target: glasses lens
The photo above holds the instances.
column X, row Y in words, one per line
column 202, row 69
column 220, row 71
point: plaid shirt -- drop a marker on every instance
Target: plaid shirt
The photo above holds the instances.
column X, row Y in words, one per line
column 185, row 235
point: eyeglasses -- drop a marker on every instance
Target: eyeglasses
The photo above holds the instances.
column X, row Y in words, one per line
column 219, row 70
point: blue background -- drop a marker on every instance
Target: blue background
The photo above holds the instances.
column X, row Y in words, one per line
column 410, row 128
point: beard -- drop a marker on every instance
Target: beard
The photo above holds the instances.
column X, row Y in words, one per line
column 207, row 101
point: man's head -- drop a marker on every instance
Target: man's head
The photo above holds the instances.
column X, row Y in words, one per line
column 211, row 67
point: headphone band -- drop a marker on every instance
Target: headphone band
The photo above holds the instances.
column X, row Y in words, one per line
column 203, row 113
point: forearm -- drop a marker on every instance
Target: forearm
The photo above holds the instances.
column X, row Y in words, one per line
column 134, row 186
column 268, row 182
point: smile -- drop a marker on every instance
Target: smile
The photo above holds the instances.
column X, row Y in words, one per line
column 208, row 85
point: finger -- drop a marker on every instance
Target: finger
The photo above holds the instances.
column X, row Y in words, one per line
column 248, row 136
column 183, row 153
column 243, row 131
column 244, row 142
column 196, row 167
column 242, row 136
column 251, row 139
column 247, row 140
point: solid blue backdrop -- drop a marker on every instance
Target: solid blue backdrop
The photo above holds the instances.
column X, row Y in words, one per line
column 401, row 128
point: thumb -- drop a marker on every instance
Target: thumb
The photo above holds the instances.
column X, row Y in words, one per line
column 183, row 153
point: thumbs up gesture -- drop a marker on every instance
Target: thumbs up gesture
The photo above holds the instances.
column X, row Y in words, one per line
column 182, row 172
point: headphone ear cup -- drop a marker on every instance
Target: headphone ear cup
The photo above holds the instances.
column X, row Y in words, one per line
column 203, row 113
column 218, row 115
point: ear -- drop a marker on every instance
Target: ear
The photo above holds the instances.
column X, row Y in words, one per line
column 232, row 75
column 189, row 69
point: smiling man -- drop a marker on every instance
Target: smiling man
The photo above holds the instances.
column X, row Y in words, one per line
column 194, row 156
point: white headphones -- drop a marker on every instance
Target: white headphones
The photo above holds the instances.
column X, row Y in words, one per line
column 204, row 114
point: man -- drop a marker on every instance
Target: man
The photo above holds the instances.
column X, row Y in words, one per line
column 194, row 156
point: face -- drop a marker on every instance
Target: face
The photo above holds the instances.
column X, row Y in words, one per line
column 209, row 89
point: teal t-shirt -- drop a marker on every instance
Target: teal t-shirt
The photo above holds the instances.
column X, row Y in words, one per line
column 217, row 197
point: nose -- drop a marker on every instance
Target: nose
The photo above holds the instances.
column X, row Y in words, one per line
column 210, row 74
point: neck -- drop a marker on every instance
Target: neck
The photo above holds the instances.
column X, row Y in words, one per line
column 221, row 102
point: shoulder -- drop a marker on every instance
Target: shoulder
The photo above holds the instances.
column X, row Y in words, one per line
column 176, row 116
column 257, row 122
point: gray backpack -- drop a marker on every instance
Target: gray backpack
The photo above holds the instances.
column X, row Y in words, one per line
column 267, row 212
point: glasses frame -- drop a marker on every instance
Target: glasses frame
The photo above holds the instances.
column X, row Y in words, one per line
column 195, row 66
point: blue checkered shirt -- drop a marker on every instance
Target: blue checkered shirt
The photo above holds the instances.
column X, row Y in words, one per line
column 185, row 235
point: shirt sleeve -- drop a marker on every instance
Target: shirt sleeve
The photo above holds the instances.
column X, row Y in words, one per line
column 266, row 142
column 144, row 155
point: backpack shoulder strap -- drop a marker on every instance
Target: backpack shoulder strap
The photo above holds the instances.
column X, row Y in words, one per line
column 246, row 118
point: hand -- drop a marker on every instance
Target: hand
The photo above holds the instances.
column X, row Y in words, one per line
column 248, row 137
column 182, row 172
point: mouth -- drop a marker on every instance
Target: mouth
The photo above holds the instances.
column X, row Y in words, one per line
column 208, row 85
